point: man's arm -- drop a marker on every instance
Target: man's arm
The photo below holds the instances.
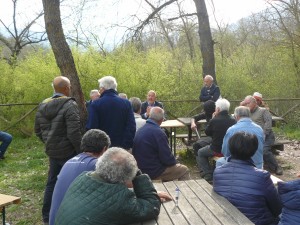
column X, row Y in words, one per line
column 216, row 94
column 203, row 95
column 130, row 129
column 144, row 203
column 225, row 148
column 267, row 117
column 73, row 125
column 272, row 197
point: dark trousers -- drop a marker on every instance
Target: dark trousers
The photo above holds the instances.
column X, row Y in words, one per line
column 55, row 166
column 269, row 158
column 202, row 142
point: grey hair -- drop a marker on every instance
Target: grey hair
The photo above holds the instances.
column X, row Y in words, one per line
column 209, row 77
column 108, row 82
column 223, row 104
column 136, row 104
column 116, row 165
column 92, row 92
column 122, row 95
column 250, row 98
column 94, row 140
column 156, row 114
column 242, row 111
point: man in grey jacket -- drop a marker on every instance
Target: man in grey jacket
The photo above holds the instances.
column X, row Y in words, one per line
column 57, row 124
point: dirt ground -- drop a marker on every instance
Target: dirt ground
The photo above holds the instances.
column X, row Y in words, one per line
column 289, row 159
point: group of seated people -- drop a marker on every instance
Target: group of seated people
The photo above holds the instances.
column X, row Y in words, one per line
column 106, row 184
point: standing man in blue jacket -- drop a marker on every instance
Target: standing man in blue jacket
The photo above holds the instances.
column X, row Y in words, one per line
column 112, row 114
column 210, row 90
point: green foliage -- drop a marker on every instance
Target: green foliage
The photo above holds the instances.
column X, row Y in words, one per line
column 23, row 174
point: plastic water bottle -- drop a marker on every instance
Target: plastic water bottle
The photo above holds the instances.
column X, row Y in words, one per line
column 176, row 196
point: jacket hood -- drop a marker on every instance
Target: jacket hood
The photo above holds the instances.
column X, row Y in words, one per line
column 51, row 106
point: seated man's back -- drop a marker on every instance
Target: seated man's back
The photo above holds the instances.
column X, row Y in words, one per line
column 152, row 151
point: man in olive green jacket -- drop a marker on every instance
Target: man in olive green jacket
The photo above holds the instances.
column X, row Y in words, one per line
column 103, row 197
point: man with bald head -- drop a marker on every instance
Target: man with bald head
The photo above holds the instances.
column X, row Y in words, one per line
column 210, row 90
column 57, row 124
column 152, row 151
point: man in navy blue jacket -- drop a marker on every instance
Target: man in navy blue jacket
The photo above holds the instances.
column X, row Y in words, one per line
column 152, row 151
column 210, row 91
column 151, row 102
column 112, row 114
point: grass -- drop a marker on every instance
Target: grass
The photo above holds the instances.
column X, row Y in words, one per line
column 23, row 174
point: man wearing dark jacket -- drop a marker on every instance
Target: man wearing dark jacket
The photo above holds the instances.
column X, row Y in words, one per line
column 151, row 102
column 112, row 114
column 216, row 128
column 210, row 91
column 103, row 197
column 152, row 151
column 57, row 124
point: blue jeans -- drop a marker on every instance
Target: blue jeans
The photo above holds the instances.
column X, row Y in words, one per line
column 5, row 138
column 55, row 166
column 202, row 160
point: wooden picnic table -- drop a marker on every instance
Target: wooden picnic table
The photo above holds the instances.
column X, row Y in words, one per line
column 172, row 125
column 187, row 122
column 198, row 204
column 6, row 200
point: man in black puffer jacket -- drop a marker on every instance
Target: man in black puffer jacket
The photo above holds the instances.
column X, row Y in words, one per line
column 57, row 124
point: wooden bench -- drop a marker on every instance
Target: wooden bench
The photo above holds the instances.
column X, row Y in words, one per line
column 279, row 145
column 6, row 200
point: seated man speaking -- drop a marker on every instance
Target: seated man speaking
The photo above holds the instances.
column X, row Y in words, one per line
column 152, row 151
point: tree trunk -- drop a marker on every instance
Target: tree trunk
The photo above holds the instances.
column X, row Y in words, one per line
column 62, row 52
column 206, row 42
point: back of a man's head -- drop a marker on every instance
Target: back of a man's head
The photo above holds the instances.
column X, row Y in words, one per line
column 243, row 145
column 60, row 85
column 223, row 104
column 209, row 107
column 108, row 82
column 242, row 112
column 116, row 165
column 136, row 104
column 156, row 114
column 94, row 140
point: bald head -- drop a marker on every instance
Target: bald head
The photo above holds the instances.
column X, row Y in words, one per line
column 208, row 80
column 62, row 85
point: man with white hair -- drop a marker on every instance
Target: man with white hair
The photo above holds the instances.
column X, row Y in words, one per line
column 216, row 128
column 152, row 151
column 244, row 123
column 112, row 114
column 210, row 90
column 103, row 196
column 136, row 106
column 94, row 94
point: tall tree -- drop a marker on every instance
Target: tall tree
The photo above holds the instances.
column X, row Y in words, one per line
column 206, row 41
column 62, row 52
column 19, row 37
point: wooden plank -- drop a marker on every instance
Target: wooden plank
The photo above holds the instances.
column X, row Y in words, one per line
column 8, row 199
column 163, row 218
column 205, row 215
column 185, row 206
column 203, row 192
column 230, row 209
column 176, row 218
